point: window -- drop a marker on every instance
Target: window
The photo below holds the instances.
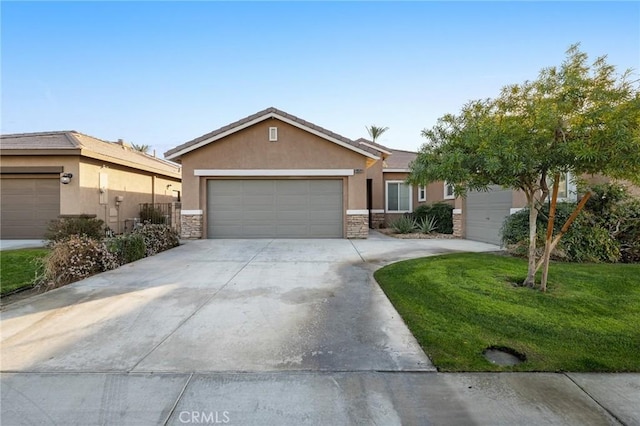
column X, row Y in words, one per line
column 422, row 193
column 563, row 187
column 398, row 197
column 273, row 134
column 449, row 194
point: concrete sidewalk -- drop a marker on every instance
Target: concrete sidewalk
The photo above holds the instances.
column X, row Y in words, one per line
column 312, row 398
column 285, row 332
column 18, row 244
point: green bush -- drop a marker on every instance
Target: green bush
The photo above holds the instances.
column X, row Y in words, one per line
column 441, row 212
column 157, row 238
column 151, row 214
column 74, row 258
column 585, row 241
column 625, row 228
column 403, row 225
column 61, row 229
column 127, row 248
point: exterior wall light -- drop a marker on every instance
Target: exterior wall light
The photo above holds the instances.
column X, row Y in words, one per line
column 65, row 178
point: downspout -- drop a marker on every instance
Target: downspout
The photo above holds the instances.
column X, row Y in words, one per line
column 153, row 189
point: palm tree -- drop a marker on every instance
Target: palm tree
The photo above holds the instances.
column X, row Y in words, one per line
column 375, row 132
column 140, row 148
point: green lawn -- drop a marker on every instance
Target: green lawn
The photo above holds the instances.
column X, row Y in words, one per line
column 18, row 268
column 457, row 305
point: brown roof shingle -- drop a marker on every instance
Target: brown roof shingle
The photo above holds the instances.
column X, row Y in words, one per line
column 400, row 159
column 88, row 146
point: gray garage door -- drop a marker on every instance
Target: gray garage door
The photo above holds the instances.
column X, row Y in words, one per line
column 485, row 213
column 28, row 205
column 275, row 208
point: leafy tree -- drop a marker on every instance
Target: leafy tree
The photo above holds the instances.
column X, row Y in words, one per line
column 375, row 132
column 574, row 118
column 140, row 148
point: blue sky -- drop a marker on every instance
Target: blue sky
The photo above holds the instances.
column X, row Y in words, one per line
column 163, row 73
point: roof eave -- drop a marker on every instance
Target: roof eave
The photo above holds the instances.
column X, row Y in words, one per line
column 176, row 153
column 114, row 160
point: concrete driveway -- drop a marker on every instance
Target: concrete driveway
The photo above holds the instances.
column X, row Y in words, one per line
column 251, row 332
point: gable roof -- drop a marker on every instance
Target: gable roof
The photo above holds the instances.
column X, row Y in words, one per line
column 177, row 152
column 374, row 145
column 399, row 160
column 71, row 142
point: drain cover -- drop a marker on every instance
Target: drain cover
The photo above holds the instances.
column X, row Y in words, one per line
column 503, row 356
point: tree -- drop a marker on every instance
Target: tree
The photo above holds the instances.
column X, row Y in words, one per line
column 140, row 148
column 375, row 132
column 573, row 118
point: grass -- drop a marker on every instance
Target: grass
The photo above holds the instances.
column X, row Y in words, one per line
column 457, row 305
column 18, row 268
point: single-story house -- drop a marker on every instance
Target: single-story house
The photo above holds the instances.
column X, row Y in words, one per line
column 44, row 176
column 272, row 174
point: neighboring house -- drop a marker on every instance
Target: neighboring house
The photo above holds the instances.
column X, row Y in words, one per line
column 44, row 176
column 275, row 175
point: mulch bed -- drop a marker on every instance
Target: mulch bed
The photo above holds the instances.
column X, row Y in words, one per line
column 416, row 235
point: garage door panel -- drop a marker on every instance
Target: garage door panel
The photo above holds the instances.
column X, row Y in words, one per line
column 257, row 216
column 292, row 202
column 322, row 229
column 274, row 208
column 324, row 216
column 258, row 200
column 28, row 205
column 229, row 231
column 326, row 186
column 292, row 230
column 256, row 231
column 485, row 214
column 285, row 217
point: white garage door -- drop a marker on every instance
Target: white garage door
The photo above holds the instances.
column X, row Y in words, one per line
column 275, row 208
column 28, row 205
column 485, row 213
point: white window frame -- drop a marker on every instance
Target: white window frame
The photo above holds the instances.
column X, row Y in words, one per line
column 273, row 134
column 386, row 197
column 571, row 193
column 446, row 194
column 422, row 193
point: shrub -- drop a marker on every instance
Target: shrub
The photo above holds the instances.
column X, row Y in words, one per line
column 428, row 225
column 441, row 212
column 127, row 248
column 157, row 238
column 627, row 231
column 151, row 214
column 61, row 229
column 605, row 200
column 403, row 225
column 75, row 258
column 585, row 241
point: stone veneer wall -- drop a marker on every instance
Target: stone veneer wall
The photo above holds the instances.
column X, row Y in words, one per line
column 377, row 220
column 457, row 224
column 357, row 226
column 191, row 225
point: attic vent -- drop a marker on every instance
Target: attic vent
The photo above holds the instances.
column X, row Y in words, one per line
column 273, row 134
